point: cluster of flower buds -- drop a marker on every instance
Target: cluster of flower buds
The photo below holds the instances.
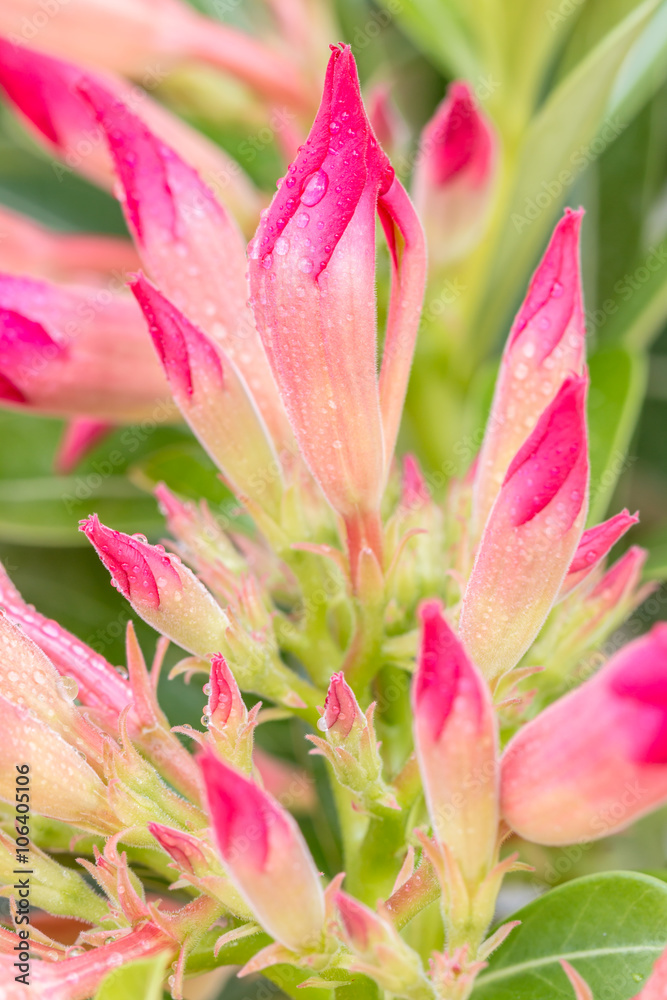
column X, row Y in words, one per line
column 342, row 580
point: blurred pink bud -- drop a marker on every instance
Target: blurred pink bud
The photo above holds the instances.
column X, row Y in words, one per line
column 163, row 591
column 173, row 214
column 389, row 127
column 146, row 38
column 312, row 278
column 265, row 856
column 656, row 985
column 44, row 90
column 67, row 349
column 414, row 489
column 594, row 546
column 29, row 248
column 378, row 950
column 215, row 401
column 545, row 346
column 454, row 175
column 456, row 740
column 100, row 686
column 80, row 436
column 63, row 785
column 582, row 990
column 596, row 760
column 531, row 536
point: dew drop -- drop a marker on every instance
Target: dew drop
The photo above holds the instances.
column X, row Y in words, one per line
column 282, row 246
column 315, row 188
column 557, row 290
column 321, row 725
column 305, row 265
column 302, row 220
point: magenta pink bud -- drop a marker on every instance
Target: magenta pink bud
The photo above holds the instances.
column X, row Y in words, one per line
column 160, row 588
column 531, row 536
column 545, row 346
column 214, row 399
column 414, row 490
column 456, row 740
column 595, row 760
column 81, row 436
column 173, row 214
column 312, row 277
column 341, row 710
column 265, row 856
column 454, row 175
column 225, row 699
column 595, row 544
column 185, row 849
column 70, row 350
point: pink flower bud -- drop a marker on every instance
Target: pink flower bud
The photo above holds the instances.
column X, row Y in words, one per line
column 595, row 760
column 230, row 725
column 147, row 38
column 160, row 588
column 341, row 710
column 70, row 350
column 656, row 985
column 456, row 741
column 265, row 856
column 594, row 546
column 545, row 346
column 29, row 248
column 312, row 278
column 100, row 686
column 531, row 536
column 454, row 175
column 214, row 399
column 173, row 214
column 81, row 436
column 378, row 950
column 43, row 90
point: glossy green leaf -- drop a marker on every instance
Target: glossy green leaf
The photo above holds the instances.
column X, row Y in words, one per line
column 611, row 927
column 640, row 305
column 645, row 69
column 143, row 979
column 47, row 510
column 618, row 380
column 565, row 136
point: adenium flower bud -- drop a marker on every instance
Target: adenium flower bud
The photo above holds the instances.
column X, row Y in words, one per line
column 163, row 591
column 265, row 856
column 67, row 350
column 531, row 536
column 215, row 401
column 29, row 248
column 351, row 745
column 230, row 725
column 595, row 760
column 545, row 346
column 378, row 950
column 80, row 436
column 130, row 39
column 594, row 545
column 456, row 741
column 172, row 213
column 44, row 90
column 312, row 279
column 454, row 176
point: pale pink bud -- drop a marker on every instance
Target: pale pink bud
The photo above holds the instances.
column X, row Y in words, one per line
column 80, row 436
column 29, row 679
column 378, row 950
column 100, row 686
column 454, row 175
column 163, row 591
column 214, row 399
column 312, row 278
column 456, row 740
column 173, row 214
column 70, row 350
column 63, row 785
column 531, row 536
column 265, row 856
column 389, row 127
column 594, row 546
column 545, row 346
column 595, row 760
column 656, row 985
column 29, row 248
column 148, row 37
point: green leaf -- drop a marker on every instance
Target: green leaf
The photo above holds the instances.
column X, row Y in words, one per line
column 611, row 927
column 47, row 510
column 557, row 147
column 618, row 381
column 641, row 305
column 436, row 27
column 185, row 468
column 143, row 979
column 645, row 69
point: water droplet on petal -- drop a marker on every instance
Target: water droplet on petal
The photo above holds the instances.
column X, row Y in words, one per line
column 315, row 188
column 305, row 265
column 282, row 246
column 302, row 220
